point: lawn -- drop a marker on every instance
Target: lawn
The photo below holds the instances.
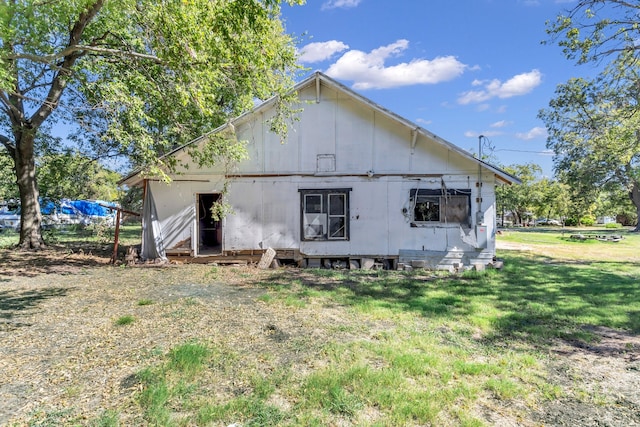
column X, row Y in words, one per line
column 548, row 340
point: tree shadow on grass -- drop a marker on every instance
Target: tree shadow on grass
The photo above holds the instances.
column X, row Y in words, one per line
column 52, row 260
column 16, row 303
column 543, row 301
column 534, row 300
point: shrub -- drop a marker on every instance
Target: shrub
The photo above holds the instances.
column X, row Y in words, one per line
column 587, row 220
column 571, row 222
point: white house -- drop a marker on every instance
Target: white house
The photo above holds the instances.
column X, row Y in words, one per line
column 352, row 182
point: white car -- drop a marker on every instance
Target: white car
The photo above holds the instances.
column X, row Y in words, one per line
column 68, row 215
column 10, row 219
column 545, row 221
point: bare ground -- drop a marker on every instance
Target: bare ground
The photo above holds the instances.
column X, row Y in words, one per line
column 61, row 347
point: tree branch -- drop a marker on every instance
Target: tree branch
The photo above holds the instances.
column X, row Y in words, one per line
column 14, row 113
column 11, row 148
column 60, row 80
column 80, row 50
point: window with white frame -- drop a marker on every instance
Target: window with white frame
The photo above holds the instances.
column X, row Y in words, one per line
column 325, row 214
column 451, row 206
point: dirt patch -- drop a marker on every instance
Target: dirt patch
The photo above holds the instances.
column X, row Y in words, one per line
column 606, row 375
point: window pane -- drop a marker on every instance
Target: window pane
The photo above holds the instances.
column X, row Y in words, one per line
column 456, row 209
column 427, row 209
column 324, row 214
column 336, row 227
column 313, row 203
column 313, row 230
column 336, row 204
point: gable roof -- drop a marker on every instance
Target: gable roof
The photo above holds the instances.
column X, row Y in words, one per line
column 316, row 79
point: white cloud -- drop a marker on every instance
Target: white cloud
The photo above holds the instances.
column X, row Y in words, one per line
column 520, row 84
column 488, row 133
column 500, row 124
column 536, row 132
column 336, row 4
column 368, row 70
column 316, row 52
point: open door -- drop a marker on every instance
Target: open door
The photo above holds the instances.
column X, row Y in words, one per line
column 209, row 230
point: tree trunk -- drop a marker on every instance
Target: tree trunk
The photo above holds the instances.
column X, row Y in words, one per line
column 31, row 218
column 634, row 195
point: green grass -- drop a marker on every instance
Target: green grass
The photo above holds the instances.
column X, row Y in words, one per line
column 108, row 418
column 188, row 358
column 125, row 320
column 411, row 348
column 75, row 235
column 557, row 243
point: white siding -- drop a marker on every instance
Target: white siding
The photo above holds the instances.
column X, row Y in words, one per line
column 266, row 198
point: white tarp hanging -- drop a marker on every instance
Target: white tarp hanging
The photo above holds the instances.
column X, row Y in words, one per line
column 152, row 241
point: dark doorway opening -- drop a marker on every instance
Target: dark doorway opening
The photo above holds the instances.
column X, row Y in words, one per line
column 209, row 230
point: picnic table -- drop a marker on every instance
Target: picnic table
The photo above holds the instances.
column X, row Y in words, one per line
column 600, row 237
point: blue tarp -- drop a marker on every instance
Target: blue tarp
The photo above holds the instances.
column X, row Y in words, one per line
column 93, row 208
column 85, row 207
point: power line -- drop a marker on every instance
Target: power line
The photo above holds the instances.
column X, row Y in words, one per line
column 526, row 151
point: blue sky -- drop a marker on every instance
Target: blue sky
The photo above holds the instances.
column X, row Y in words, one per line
column 459, row 68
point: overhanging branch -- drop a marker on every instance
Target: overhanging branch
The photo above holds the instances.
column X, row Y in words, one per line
column 81, row 50
column 11, row 148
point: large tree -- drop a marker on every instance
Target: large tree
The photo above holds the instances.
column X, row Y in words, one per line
column 597, row 30
column 133, row 77
column 72, row 175
column 594, row 125
column 519, row 199
column 594, row 130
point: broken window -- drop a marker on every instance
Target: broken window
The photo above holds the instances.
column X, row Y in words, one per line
column 441, row 206
column 325, row 214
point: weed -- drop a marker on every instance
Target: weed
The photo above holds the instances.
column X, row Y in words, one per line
column 212, row 273
column 53, row 418
column 108, row 418
column 265, row 298
column 125, row 320
column 294, row 301
column 252, row 412
column 102, row 231
column 503, row 388
column 145, row 301
column 188, row 358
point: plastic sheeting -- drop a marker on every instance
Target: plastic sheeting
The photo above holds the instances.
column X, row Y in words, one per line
column 152, row 241
column 93, row 208
column 84, row 207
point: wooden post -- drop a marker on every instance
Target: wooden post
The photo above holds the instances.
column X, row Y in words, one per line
column 114, row 256
column 116, row 238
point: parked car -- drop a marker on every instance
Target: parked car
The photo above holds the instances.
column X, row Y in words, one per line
column 61, row 215
column 547, row 221
column 10, row 219
column 67, row 214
